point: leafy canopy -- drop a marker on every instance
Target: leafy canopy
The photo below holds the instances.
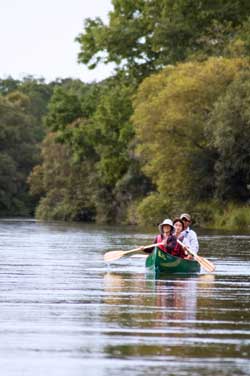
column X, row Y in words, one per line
column 176, row 126
column 143, row 36
column 18, row 154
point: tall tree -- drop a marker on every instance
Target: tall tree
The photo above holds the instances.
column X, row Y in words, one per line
column 18, row 154
column 92, row 122
column 230, row 124
column 64, row 187
column 143, row 36
column 175, row 123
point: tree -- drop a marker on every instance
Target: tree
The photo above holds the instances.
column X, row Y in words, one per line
column 18, row 154
column 118, row 171
column 173, row 122
column 39, row 94
column 64, row 187
column 113, row 133
column 92, row 123
column 230, row 124
column 143, row 36
column 8, row 85
column 64, row 107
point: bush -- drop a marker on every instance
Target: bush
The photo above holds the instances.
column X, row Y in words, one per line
column 233, row 217
column 204, row 213
column 153, row 209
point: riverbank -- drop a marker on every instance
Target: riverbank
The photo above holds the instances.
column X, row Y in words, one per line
column 223, row 217
column 210, row 216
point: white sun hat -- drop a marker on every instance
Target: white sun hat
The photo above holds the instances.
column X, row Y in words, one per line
column 166, row 222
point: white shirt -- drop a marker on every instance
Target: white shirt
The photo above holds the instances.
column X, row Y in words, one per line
column 190, row 240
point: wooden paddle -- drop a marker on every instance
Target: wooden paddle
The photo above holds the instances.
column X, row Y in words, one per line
column 207, row 265
column 116, row 255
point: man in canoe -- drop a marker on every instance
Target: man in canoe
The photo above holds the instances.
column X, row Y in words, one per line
column 189, row 236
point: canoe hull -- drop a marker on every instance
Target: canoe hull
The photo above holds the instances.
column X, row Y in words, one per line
column 162, row 262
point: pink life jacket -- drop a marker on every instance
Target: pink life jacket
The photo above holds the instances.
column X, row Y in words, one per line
column 159, row 239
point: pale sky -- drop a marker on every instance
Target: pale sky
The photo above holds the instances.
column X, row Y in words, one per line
column 37, row 38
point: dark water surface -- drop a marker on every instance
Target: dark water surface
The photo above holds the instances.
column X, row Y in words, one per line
column 64, row 312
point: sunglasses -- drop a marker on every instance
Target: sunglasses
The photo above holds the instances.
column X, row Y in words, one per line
column 186, row 220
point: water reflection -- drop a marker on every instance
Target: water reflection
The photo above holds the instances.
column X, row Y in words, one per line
column 176, row 300
column 170, row 299
column 176, row 319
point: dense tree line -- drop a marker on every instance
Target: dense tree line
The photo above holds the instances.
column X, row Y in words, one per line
column 169, row 131
column 22, row 106
column 198, row 118
column 89, row 138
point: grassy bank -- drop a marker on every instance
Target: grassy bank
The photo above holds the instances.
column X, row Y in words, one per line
column 227, row 217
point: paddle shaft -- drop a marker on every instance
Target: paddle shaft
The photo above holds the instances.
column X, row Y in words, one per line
column 141, row 249
column 207, row 265
column 115, row 255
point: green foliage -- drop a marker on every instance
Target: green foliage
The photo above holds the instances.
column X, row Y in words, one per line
column 33, row 96
column 153, row 209
column 71, row 107
column 181, row 118
column 122, row 41
column 36, row 90
column 113, row 133
column 143, row 36
column 64, row 107
column 8, row 85
column 176, row 128
column 65, row 181
column 230, row 124
column 181, row 128
column 98, row 140
column 18, row 154
column 181, row 141
column 39, row 94
column 205, row 212
column 65, row 188
column 232, row 217
column 71, row 100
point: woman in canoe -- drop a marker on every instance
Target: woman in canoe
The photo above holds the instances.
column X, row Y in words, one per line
column 166, row 236
column 179, row 251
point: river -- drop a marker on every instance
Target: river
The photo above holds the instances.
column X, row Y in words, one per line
column 64, row 312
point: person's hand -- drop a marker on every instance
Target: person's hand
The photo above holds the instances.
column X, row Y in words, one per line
column 141, row 248
column 185, row 249
column 188, row 257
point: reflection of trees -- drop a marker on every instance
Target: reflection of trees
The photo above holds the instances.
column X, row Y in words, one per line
column 140, row 302
column 130, row 301
column 140, row 310
column 176, row 299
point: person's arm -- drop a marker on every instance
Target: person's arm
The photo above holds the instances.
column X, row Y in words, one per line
column 149, row 250
column 193, row 242
column 171, row 243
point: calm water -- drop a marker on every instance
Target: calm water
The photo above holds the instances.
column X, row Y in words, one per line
column 64, row 312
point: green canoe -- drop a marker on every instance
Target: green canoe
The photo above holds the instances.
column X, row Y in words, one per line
column 162, row 262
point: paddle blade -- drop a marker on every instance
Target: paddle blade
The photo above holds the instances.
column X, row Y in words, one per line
column 113, row 255
column 207, row 265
